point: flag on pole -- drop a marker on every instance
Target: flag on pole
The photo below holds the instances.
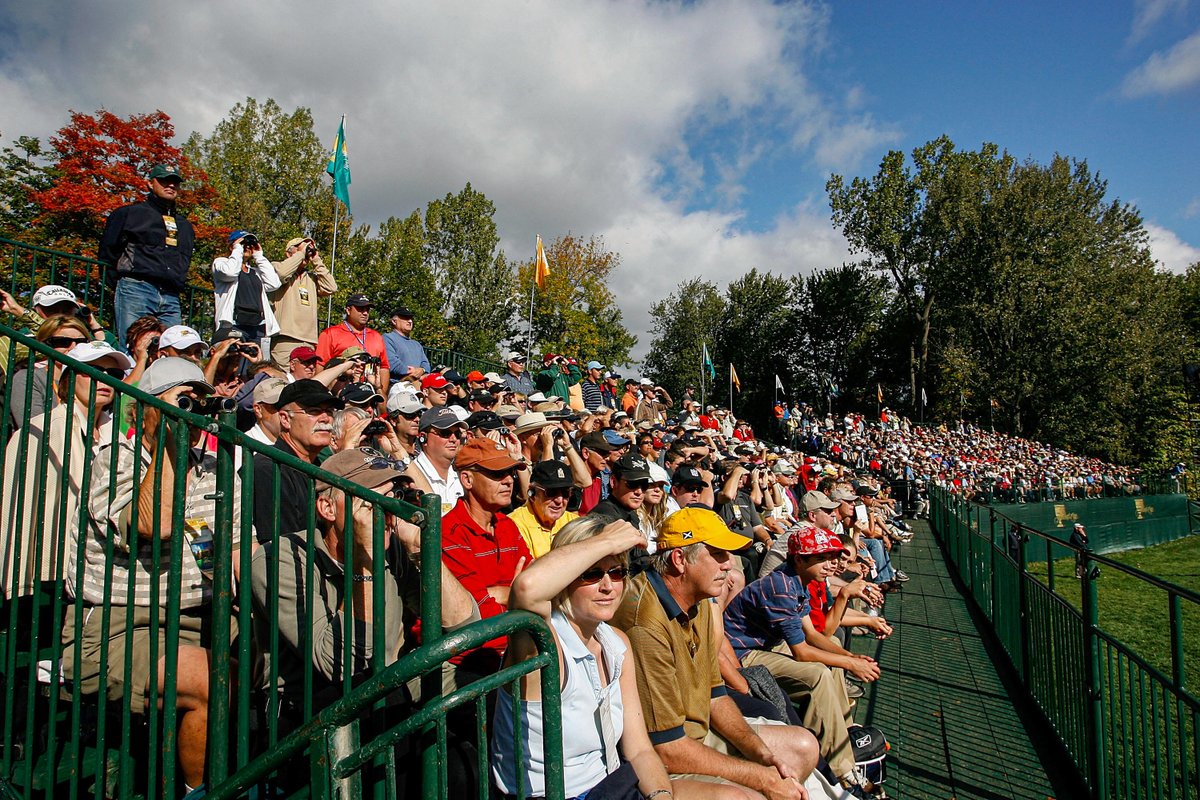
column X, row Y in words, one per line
column 733, row 377
column 924, row 400
column 879, row 392
column 542, row 266
column 707, row 362
column 779, row 384
column 339, row 166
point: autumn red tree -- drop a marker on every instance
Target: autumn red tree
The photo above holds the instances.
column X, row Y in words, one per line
column 101, row 164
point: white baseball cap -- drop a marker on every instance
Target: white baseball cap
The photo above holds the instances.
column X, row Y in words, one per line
column 87, row 352
column 180, row 337
column 53, row 294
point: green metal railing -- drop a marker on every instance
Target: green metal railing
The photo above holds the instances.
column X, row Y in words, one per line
column 92, row 281
column 1132, row 728
column 462, row 362
column 62, row 738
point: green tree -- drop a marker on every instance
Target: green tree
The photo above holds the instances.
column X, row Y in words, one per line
column 269, row 168
column 576, row 312
column 758, row 334
column 682, row 324
column 24, row 170
column 839, row 320
column 473, row 278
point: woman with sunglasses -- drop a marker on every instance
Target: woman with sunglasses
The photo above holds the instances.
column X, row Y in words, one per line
column 61, row 332
column 577, row 587
column 73, row 433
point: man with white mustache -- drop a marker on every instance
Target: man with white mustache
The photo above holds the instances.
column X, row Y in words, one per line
column 305, row 429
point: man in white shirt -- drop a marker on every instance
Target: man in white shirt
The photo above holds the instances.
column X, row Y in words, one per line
column 441, row 433
column 266, row 410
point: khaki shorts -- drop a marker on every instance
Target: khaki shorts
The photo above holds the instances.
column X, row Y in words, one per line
column 722, row 745
column 193, row 630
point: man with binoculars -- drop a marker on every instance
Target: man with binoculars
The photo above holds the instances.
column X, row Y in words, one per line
column 241, row 282
column 304, row 279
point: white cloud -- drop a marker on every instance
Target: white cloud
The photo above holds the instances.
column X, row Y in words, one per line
column 1148, row 13
column 1171, row 252
column 1167, row 71
column 567, row 114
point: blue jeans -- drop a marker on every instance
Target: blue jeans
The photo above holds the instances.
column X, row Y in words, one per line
column 136, row 298
column 883, row 563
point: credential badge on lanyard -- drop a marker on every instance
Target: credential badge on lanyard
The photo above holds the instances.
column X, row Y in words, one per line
column 172, row 230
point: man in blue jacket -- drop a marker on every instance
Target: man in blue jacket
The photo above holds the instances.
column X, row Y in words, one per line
column 150, row 245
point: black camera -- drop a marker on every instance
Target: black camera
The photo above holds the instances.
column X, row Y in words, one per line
column 374, row 428
column 84, row 313
column 152, row 346
column 310, row 252
column 207, row 406
column 503, row 430
column 249, row 241
column 367, row 358
column 244, row 349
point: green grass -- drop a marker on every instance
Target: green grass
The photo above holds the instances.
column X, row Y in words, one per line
column 1138, row 614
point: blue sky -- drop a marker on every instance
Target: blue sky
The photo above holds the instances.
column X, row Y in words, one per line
column 694, row 137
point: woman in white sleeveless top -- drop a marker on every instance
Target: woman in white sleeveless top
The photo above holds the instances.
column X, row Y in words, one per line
column 577, row 588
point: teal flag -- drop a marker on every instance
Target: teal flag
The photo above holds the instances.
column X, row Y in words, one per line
column 708, row 364
column 339, row 166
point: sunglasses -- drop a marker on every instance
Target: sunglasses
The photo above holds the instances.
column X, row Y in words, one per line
column 61, row 342
column 114, row 372
column 596, row 574
column 556, row 492
column 497, row 474
column 449, row 433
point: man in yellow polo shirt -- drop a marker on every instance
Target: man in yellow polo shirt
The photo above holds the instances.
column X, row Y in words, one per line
column 541, row 517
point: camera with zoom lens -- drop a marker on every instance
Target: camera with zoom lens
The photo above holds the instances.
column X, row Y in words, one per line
column 310, row 252
column 208, row 406
column 244, row 349
column 367, row 358
column 249, row 241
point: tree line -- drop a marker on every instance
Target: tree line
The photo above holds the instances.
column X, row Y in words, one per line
column 1011, row 293
column 262, row 169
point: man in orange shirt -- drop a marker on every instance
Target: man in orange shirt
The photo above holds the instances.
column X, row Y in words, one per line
column 353, row 332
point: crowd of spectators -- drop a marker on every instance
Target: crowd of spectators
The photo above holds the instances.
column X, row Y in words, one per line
column 961, row 457
column 702, row 585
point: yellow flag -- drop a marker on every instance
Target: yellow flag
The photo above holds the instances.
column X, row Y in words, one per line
column 734, row 378
column 542, row 266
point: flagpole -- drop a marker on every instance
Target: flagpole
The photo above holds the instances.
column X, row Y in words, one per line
column 703, row 368
column 731, row 388
column 333, row 261
column 532, row 289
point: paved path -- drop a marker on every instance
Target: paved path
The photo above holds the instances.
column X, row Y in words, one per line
column 953, row 729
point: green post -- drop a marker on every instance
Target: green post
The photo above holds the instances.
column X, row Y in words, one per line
column 217, row 759
column 432, row 754
column 1094, row 712
column 1023, row 606
column 1178, row 673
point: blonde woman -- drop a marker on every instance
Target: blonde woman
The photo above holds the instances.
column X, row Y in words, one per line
column 61, row 332
column 577, row 587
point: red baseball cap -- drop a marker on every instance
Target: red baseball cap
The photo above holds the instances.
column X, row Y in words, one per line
column 814, row 541
column 434, row 381
column 548, row 357
column 475, row 375
column 304, row 353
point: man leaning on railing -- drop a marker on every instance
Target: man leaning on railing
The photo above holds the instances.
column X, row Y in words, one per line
column 334, row 617
column 113, row 546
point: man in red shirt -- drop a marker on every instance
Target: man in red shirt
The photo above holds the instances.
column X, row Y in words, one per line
column 481, row 546
column 353, row 332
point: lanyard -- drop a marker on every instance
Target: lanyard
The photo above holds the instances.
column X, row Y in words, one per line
column 362, row 341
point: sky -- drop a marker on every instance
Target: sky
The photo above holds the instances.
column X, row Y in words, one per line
column 696, row 138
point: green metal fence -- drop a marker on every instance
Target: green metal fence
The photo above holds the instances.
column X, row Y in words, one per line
column 67, row 563
column 1130, row 727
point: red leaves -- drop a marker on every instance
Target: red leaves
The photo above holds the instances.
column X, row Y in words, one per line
column 102, row 163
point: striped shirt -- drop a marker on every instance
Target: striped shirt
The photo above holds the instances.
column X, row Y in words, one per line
column 769, row 610
column 110, row 507
column 592, row 397
column 480, row 559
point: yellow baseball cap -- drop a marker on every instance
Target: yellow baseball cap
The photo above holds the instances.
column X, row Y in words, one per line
column 696, row 526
